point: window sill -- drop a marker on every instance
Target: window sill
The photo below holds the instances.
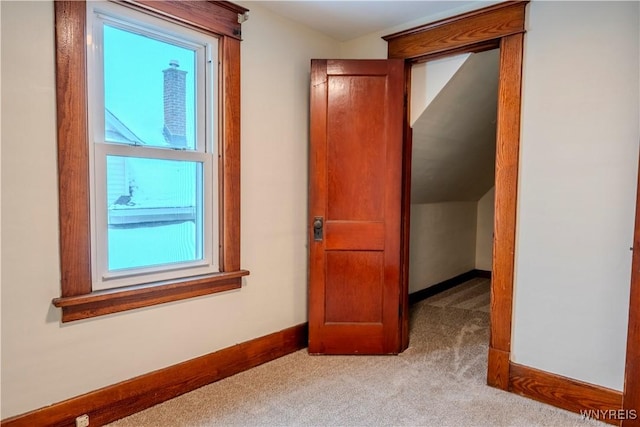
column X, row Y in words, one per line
column 109, row 301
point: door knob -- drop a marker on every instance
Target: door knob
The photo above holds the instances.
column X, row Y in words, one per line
column 317, row 228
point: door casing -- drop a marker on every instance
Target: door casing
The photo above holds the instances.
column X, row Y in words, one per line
column 499, row 26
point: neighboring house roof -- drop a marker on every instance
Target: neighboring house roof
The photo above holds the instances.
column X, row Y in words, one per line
column 116, row 131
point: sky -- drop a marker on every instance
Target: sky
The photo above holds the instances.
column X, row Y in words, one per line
column 133, row 91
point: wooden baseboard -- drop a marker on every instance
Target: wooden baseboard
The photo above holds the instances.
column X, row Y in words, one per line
column 604, row 404
column 128, row 397
column 447, row 284
column 120, row 400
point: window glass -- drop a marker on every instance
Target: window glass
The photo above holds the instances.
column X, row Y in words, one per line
column 149, row 90
column 153, row 116
column 155, row 212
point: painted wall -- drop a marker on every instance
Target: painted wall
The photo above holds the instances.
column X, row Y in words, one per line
column 428, row 79
column 442, row 243
column 576, row 202
column 444, row 237
column 577, row 183
column 484, row 233
column 45, row 362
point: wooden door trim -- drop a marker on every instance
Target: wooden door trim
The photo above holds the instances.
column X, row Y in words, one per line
column 503, row 25
column 459, row 33
column 504, row 231
column 405, row 219
column 631, row 394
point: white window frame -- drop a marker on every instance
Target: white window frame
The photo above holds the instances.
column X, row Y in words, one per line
column 205, row 153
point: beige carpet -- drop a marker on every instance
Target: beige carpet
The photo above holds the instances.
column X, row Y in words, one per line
column 438, row 381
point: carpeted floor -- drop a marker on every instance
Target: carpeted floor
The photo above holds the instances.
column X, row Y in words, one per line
column 438, row 381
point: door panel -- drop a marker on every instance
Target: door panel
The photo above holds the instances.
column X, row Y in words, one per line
column 343, row 235
column 355, row 297
column 354, row 129
column 354, row 293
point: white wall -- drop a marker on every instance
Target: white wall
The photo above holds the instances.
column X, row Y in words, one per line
column 576, row 202
column 45, row 362
column 429, row 78
column 484, row 234
column 442, row 243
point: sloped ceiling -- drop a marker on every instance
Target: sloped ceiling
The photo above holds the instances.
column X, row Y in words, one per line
column 454, row 138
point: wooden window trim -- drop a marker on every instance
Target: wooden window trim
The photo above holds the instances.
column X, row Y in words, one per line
column 77, row 300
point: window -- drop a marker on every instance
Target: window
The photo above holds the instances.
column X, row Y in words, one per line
column 149, row 202
column 152, row 123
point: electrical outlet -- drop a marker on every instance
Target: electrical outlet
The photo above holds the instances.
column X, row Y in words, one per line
column 82, row 421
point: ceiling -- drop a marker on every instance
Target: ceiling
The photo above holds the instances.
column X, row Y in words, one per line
column 346, row 20
column 454, row 138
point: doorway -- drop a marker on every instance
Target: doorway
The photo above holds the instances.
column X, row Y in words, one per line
column 500, row 26
column 453, row 120
column 453, row 112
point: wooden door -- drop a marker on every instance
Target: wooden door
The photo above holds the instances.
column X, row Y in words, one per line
column 355, row 161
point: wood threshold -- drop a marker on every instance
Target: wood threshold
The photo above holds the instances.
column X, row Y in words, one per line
column 576, row 396
column 109, row 301
column 128, row 397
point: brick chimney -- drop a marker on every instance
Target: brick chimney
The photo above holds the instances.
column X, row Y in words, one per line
column 175, row 105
